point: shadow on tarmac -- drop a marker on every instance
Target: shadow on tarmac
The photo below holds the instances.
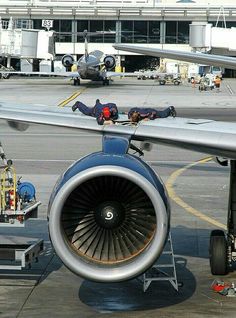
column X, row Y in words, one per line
column 129, row 295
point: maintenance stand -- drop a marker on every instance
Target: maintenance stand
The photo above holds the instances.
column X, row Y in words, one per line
column 164, row 269
column 17, row 204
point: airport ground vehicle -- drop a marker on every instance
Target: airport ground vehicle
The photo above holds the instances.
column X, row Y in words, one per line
column 169, row 79
column 206, row 83
column 5, row 69
column 147, row 74
column 17, row 199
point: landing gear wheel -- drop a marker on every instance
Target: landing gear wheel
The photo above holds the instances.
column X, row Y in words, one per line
column 218, row 253
column 106, row 82
column 6, row 76
column 76, row 81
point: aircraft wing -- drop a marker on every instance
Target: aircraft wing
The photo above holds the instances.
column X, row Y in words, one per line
column 202, row 135
column 199, row 58
column 125, row 74
column 63, row 74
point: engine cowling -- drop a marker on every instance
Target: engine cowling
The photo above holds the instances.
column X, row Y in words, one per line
column 109, row 62
column 67, row 60
column 109, row 217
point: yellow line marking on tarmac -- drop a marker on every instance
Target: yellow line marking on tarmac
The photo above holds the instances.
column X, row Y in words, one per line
column 72, row 97
column 169, row 185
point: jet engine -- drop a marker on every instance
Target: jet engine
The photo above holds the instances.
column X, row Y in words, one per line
column 109, row 216
column 109, row 62
column 67, row 60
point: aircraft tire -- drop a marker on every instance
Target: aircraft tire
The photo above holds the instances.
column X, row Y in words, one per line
column 76, row 82
column 106, row 82
column 6, row 76
column 218, row 253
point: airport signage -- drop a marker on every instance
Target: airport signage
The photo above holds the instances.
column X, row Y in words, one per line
column 47, row 24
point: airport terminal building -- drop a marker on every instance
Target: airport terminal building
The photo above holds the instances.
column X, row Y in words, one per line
column 153, row 23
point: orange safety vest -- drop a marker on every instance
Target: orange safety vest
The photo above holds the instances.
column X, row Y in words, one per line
column 217, row 81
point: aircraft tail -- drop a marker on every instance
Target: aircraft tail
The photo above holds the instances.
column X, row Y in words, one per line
column 86, row 54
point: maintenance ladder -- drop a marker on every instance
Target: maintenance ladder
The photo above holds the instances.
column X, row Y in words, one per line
column 164, row 269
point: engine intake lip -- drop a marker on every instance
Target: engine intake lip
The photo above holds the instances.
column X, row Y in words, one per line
column 119, row 271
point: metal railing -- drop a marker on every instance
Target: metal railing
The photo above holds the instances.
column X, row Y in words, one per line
column 72, row 8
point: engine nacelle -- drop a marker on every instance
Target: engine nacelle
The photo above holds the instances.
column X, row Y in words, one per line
column 67, row 60
column 109, row 217
column 109, row 62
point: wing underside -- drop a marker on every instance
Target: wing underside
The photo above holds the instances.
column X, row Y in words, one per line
column 62, row 74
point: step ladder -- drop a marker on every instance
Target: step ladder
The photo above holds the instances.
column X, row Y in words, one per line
column 164, row 269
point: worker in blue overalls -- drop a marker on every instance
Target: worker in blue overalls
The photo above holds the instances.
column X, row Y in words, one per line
column 104, row 113
column 136, row 114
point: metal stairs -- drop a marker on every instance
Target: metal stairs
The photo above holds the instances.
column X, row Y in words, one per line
column 164, row 269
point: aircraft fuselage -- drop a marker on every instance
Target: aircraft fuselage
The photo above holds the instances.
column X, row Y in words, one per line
column 89, row 66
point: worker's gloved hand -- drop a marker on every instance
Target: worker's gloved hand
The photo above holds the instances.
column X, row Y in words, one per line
column 108, row 122
column 74, row 107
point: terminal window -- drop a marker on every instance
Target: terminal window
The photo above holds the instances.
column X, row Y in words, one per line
column 140, row 31
column 177, row 32
column 97, row 25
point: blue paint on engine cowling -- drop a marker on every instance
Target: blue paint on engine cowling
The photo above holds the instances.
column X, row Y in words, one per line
column 128, row 161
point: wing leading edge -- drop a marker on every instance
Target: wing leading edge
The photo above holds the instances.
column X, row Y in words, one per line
column 61, row 74
column 199, row 58
column 206, row 136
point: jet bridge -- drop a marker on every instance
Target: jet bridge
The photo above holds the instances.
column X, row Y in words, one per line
column 21, row 42
column 17, row 204
column 205, row 37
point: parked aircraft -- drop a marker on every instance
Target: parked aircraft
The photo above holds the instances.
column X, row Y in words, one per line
column 109, row 213
column 95, row 66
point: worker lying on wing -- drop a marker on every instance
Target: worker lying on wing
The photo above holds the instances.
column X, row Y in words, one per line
column 104, row 113
column 136, row 114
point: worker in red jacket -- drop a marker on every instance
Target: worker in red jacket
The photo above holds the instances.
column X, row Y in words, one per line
column 104, row 113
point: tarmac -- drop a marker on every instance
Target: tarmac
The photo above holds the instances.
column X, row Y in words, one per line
column 42, row 153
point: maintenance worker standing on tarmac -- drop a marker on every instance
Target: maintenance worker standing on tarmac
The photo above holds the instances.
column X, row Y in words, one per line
column 217, row 82
column 104, row 113
column 136, row 114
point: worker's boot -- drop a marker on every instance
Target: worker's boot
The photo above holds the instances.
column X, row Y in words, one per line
column 173, row 112
column 74, row 107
